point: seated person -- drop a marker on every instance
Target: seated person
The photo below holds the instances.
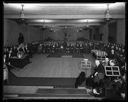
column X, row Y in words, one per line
column 39, row 49
column 4, row 58
column 81, row 48
column 10, row 53
column 20, row 53
column 61, row 48
column 112, row 54
column 99, row 67
column 21, row 46
column 107, row 61
column 123, row 52
column 14, row 51
column 26, row 49
column 97, row 79
column 5, row 71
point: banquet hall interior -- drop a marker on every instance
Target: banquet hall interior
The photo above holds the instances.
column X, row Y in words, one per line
column 64, row 51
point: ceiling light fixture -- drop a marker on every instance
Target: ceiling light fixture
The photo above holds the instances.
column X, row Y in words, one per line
column 21, row 19
column 22, row 13
column 87, row 24
column 107, row 14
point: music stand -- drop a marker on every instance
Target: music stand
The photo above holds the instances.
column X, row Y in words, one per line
column 112, row 71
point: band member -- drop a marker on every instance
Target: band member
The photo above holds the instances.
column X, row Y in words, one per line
column 98, row 76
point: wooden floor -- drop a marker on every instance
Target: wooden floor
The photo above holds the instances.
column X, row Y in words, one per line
column 31, row 92
column 43, row 66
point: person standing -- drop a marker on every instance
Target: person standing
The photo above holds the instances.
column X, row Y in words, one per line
column 21, row 38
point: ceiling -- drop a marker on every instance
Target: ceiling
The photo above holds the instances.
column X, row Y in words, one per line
column 64, row 14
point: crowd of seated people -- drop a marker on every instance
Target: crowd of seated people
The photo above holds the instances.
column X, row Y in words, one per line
column 113, row 50
column 115, row 54
column 17, row 52
column 68, row 47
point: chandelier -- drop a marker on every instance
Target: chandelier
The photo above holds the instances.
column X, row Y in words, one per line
column 107, row 13
column 22, row 13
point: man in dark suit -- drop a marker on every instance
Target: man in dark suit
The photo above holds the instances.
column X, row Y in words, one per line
column 96, row 79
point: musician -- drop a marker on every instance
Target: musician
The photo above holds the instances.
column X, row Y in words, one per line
column 47, row 48
column 98, row 77
column 122, row 52
column 112, row 54
column 71, row 49
column 85, row 48
column 119, row 51
column 67, row 48
column 53, row 48
column 57, row 47
column 77, row 47
column 21, row 47
column 64, row 44
column 61, row 48
column 43, row 48
column 39, row 49
column 26, row 49
column 6, row 52
column 81, row 48
column 105, row 62
column 14, row 51
column 10, row 53
column 99, row 67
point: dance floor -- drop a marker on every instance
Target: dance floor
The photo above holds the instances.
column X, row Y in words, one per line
column 52, row 67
